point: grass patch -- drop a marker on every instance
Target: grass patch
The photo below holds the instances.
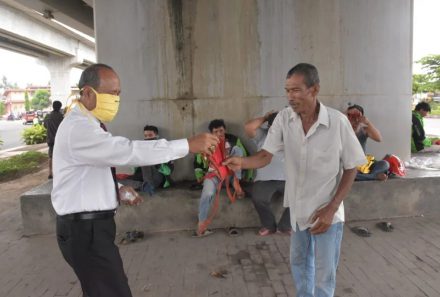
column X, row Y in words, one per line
column 20, row 165
column 435, row 108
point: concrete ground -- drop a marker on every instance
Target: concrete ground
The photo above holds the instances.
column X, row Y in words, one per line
column 403, row 263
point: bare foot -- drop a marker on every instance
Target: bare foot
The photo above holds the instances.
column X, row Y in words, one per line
column 382, row 177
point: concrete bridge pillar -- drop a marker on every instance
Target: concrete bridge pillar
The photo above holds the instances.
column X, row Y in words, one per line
column 59, row 68
column 183, row 63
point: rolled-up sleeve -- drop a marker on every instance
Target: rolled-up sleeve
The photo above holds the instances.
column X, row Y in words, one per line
column 274, row 140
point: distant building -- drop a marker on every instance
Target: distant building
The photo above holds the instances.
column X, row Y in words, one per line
column 14, row 99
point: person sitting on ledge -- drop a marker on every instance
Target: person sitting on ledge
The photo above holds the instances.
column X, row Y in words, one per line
column 149, row 178
column 419, row 142
column 364, row 129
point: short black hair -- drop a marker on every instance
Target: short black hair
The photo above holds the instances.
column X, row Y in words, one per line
column 271, row 118
column 423, row 106
column 217, row 123
column 151, row 128
column 358, row 107
column 308, row 71
column 90, row 76
column 56, row 105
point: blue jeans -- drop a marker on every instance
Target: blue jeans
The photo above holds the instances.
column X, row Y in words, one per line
column 314, row 259
column 210, row 188
column 381, row 166
column 207, row 197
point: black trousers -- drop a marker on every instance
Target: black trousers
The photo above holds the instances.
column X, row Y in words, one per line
column 262, row 193
column 88, row 246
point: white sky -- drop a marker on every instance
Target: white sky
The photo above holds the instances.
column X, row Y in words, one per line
column 426, row 33
column 25, row 70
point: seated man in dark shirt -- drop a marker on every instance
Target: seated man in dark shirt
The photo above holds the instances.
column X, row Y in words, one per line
column 149, row 178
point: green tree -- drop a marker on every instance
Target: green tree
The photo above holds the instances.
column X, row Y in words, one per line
column 431, row 64
column 421, row 84
column 2, row 108
column 40, row 100
column 5, row 84
column 27, row 103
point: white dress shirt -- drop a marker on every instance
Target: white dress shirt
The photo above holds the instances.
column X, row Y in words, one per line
column 314, row 162
column 83, row 155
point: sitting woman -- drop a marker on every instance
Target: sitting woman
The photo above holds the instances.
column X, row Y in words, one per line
column 364, row 129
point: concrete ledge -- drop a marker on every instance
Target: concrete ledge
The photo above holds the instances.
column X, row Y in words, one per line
column 37, row 213
column 176, row 209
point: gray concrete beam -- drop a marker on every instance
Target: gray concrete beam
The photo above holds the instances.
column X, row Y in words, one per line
column 23, row 29
column 76, row 14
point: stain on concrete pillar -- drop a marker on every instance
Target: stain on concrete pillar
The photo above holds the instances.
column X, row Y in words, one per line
column 180, row 16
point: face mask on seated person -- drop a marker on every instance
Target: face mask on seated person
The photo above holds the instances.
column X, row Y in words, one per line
column 107, row 106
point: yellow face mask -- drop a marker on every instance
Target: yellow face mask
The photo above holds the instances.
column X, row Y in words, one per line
column 107, row 106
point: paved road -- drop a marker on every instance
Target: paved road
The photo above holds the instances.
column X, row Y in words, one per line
column 432, row 126
column 10, row 133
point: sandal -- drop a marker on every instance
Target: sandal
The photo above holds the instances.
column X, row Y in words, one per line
column 207, row 232
column 264, row 232
column 132, row 236
column 361, row 231
column 233, row 232
column 385, row 226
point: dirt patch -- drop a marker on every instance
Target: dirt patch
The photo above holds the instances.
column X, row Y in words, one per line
column 10, row 193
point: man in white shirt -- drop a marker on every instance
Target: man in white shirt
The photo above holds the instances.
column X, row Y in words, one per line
column 321, row 154
column 85, row 194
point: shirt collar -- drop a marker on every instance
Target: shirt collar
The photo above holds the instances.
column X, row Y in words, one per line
column 323, row 117
column 85, row 113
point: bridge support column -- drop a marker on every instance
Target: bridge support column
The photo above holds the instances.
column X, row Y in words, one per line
column 184, row 63
column 59, row 69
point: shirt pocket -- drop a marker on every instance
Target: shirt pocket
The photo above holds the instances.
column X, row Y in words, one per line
column 325, row 161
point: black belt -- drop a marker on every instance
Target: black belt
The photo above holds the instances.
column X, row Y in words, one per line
column 89, row 215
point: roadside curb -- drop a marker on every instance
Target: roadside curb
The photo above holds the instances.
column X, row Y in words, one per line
column 41, row 147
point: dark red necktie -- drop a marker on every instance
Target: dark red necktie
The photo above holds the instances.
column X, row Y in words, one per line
column 113, row 170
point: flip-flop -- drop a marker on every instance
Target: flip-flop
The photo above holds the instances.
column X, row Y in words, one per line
column 138, row 234
column 361, row 231
column 385, row 226
column 132, row 236
column 204, row 234
column 233, row 232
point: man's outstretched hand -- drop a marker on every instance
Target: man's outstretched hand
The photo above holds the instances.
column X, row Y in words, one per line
column 204, row 143
column 234, row 163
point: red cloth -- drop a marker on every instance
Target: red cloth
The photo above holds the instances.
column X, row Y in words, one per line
column 120, row 176
column 216, row 160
